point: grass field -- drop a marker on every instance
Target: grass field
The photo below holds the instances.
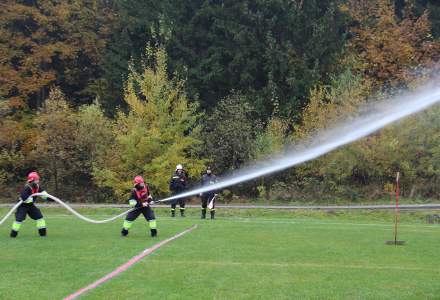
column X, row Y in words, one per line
column 246, row 254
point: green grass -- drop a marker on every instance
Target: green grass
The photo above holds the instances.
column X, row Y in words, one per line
column 244, row 254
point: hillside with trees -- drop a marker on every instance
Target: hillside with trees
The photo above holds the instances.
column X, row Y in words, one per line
column 93, row 92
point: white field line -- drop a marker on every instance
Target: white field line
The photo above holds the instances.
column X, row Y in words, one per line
column 289, row 265
column 276, row 221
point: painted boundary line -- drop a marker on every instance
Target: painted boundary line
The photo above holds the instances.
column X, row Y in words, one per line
column 128, row 264
column 250, row 220
column 294, row 265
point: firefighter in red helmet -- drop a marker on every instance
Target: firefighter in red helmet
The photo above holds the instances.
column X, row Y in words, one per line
column 141, row 200
column 28, row 207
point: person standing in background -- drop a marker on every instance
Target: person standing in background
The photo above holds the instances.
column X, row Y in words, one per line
column 208, row 198
column 178, row 184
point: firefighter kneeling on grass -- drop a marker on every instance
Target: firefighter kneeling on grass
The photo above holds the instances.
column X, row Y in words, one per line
column 141, row 200
column 28, row 207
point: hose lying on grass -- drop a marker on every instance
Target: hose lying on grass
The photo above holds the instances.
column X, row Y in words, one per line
column 77, row 214
column 10, row 212
column 69, row 209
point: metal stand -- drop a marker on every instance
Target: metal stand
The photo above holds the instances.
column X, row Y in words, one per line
column 396, row 242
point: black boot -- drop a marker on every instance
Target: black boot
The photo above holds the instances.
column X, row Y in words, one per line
column 42, row 231
column 182, row 212
column 173, row 213
column 203, row 213
column 124, row 232
column 212, row 214
column 153, row 232
column 14, row 233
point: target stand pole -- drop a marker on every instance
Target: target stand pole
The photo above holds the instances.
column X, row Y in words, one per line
column 396, row 216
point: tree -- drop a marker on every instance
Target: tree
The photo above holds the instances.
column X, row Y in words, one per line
column 419, row 7
column 56, row 147
column 159, row 130
column 137, row 24
column 50, row 42
column 328, row 105
column 367, row 168
column 230, row 133
column 16, row 144
column 391, row 50
column 96, row 135
column 268, row 144
column 256, row 47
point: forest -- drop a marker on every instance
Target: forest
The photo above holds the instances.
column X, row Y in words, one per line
column 94, row 92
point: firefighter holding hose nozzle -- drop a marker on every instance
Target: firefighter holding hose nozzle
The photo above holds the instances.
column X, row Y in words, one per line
column 141, row 200
column 208, row 198
column 178, row 184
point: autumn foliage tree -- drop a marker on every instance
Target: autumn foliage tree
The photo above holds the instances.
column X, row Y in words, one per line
column 390, row 50
column 56, row 148
column 44, row 42
column 16, row 145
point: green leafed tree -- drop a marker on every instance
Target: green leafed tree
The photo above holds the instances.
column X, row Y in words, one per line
column 68, row 144
column 270, row 143
column 230, row 132
column 159, row 131
column 56, row 148
column 95, row 136
column 367, row 168
column 329, row 105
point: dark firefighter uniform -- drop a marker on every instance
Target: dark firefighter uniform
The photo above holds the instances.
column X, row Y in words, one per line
column 208, row 179
column 178, row 184
column 141, row 200
column 28, row 208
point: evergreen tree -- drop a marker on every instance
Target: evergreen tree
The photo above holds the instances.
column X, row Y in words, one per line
column 257, row 47
column 135, row 26
column 230, row 132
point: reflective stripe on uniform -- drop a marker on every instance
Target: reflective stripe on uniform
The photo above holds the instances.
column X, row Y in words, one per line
column 16, row 226
column 41, row 223
column 44, row 196
column 29, row 200
column 152, row 224
column 127, row 224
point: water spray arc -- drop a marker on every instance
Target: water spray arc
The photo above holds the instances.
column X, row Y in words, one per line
column 377, row 116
